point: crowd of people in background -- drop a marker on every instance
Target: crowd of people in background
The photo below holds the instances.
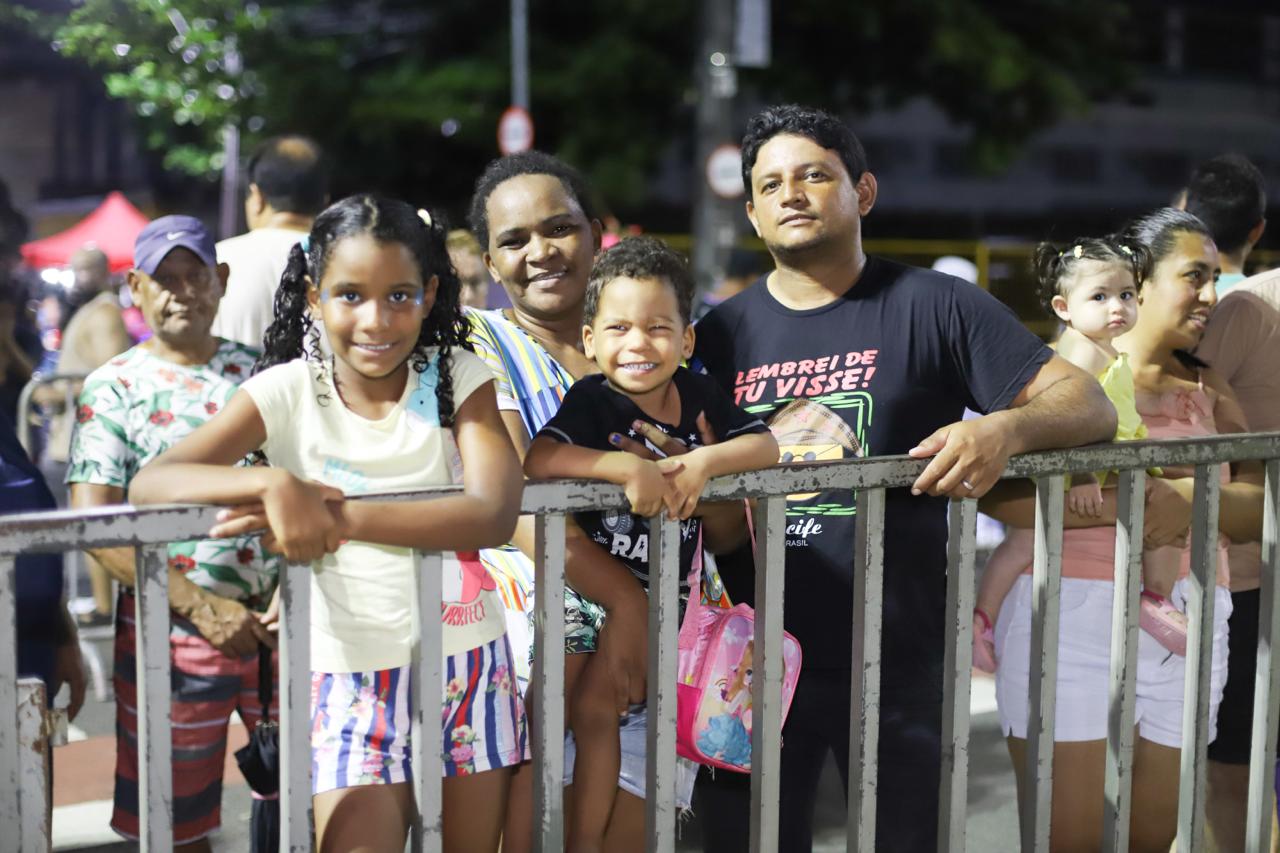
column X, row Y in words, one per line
column 355, row 347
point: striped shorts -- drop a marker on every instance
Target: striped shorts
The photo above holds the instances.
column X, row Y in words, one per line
column 360, row 721
column 207, row 687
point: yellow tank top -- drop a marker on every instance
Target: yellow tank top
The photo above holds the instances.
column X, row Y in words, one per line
column 1117, row 382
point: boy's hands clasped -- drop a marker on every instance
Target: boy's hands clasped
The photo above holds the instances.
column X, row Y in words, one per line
column 674, row 482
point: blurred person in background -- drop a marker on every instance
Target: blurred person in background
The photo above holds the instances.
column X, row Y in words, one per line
column 288, row 179
column 48, row 645
column 95, row 331
column 1228, row 194
column 468, row 260
column 740, row 272
column 131, row 410
column 1242, row 344
column 20, row 347
column 95, row 334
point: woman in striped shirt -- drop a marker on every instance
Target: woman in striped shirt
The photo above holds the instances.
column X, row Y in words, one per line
column 534, row 217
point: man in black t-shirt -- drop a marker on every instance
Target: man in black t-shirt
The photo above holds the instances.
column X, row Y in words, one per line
column 898, row 353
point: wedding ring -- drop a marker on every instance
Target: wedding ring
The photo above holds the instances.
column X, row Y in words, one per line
column 967, row 485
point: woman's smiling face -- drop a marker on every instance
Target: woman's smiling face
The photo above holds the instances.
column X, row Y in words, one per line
column 541, row 246
column 1179, row 295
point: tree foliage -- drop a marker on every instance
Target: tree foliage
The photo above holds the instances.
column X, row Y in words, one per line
column 407, row 95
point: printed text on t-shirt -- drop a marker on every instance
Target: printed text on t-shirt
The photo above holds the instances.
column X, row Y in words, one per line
column 807, row 377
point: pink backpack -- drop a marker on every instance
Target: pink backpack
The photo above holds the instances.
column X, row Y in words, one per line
column 713, row 690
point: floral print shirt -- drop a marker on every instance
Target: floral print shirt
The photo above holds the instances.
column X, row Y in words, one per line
column 138, row 405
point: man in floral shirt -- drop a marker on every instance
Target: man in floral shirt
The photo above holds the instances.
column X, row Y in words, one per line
column 131, row 410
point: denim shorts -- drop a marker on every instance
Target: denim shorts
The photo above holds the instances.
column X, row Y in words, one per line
column 633, row 738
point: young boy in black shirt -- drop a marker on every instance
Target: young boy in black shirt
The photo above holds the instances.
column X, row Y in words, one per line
column 637, row 329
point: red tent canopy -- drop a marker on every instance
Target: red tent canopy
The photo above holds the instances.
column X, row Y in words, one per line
column 112, row 228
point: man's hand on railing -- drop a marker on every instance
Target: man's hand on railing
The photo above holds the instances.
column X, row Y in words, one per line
column 968, row 458
column 1167, row 518
column 229, row 626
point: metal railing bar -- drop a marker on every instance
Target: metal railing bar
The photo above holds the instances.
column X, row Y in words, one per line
column 10, row 772
column 766, row 686
column 295, row 708
column 864, row 693
column 1118, row 783
column 953, row 796
column 660, row 747
column 24, row 401
column 548, row 682
column 1266, row 696
column 124, row 524
column 428, row 675
column 1199, row 665
column 35, row 792
column 1045, row 601
column 151, row 527
column 153, row 693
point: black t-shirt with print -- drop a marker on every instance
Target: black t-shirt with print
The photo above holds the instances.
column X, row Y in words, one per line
column 900, row 354
column 592, row 410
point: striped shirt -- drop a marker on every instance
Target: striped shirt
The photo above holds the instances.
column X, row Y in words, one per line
column 530, row 381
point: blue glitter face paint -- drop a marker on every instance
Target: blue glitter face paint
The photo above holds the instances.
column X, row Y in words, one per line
column 400, row 299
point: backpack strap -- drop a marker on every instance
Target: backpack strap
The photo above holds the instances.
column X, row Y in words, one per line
column 693, row 609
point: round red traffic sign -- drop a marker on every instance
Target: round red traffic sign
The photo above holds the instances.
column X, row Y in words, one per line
column 724, row 171
column 515, row 130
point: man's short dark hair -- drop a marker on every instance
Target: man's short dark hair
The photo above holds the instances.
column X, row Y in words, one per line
column 821, row 127
column 1229, row 195
column 639, row 257
column 292, row 174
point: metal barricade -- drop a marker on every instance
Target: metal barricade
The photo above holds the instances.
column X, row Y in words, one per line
column 149, row 529
column 71, row 383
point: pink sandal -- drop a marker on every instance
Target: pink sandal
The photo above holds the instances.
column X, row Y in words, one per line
column 1166, row 623
column 984, row 642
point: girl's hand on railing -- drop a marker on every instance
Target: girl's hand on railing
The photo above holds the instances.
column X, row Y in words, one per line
column 1085, row 499
column 302, row 525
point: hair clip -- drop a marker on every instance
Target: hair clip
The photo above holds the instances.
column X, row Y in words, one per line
column 305, row 243
column 425, row 216
column 1078, row 251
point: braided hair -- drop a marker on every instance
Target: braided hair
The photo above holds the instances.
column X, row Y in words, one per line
column 1055, row 265
column 293, row 334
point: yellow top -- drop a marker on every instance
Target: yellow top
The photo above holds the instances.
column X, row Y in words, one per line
column 1117, row 382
